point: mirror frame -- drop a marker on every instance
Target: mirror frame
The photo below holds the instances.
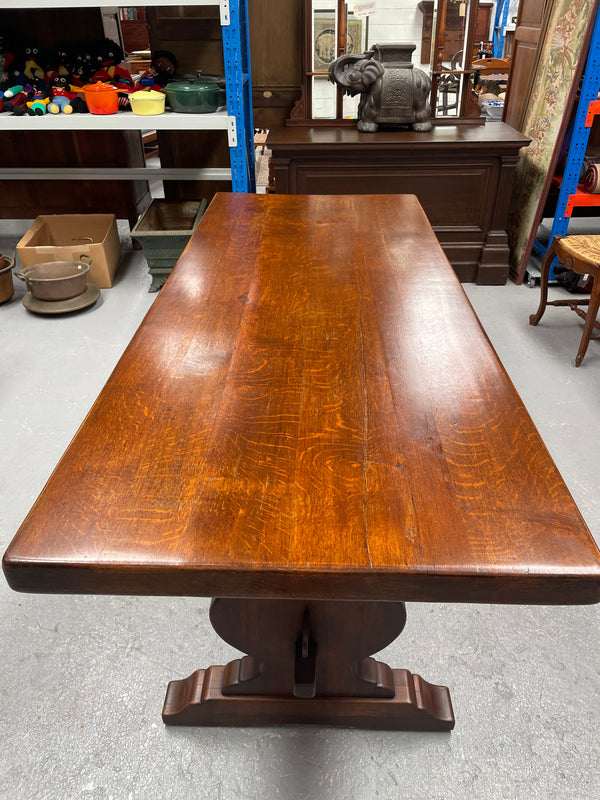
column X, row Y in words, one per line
column 468, row 110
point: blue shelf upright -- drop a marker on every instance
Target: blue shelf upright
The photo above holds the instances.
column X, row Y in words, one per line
column 236, row 52
column 500, row 20
column 580, row 135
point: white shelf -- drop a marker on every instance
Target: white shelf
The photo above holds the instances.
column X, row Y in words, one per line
column 122, row 121
column 24, row 4
column 118, row 173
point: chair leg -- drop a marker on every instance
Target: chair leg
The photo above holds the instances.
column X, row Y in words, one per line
column 546, row 263
column 590, row 318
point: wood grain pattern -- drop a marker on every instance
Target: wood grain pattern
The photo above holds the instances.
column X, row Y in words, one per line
column 309, row 409
column 461, row 174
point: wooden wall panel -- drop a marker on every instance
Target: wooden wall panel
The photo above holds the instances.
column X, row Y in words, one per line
column 51, row 25
column 530, row 20
column 276, row 51
column 28, row 198
column 194, row 36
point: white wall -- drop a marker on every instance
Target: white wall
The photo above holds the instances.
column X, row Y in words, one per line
column 397, row 21
column 394, row 21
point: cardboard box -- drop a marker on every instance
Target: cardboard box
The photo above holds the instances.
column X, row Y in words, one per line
column 66, row 237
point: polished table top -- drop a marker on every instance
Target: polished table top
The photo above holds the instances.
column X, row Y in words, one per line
column 309, row 409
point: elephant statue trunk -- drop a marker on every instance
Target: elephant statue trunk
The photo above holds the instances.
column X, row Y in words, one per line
column 391, row 91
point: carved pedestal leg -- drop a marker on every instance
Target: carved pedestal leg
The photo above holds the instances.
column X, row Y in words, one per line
column 308, row 662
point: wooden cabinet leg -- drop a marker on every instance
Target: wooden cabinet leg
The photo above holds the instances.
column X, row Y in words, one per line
column 309, row 661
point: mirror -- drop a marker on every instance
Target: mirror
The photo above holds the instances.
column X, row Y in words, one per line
column 448, row 34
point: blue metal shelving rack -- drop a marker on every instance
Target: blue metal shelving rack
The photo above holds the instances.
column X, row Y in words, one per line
column 236, row 52
column 587, row 107
column 500, row 20
column 238, row 121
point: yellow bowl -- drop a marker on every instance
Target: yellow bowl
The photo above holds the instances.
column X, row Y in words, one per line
column 147, row 102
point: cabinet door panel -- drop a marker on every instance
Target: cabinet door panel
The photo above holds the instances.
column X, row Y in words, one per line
column 529, row 25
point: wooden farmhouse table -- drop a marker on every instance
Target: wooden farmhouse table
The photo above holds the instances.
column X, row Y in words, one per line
column 310, row 426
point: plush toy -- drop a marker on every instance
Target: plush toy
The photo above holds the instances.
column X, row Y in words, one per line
column 9, row 89
column 83, row 62
column 60, row 96
column 78, row 103
column 17, row 103
column 57, row 63
column 14, row 75
column 81, row 74
column 163, row 68
column 82, row 70
column 33, row 70
column 62, row 60
column 109, row 70
column 38, row 104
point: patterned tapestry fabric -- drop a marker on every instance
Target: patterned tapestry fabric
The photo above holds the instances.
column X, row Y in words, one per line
column 558, row 66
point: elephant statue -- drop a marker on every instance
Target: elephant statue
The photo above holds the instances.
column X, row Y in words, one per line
column 391, row 91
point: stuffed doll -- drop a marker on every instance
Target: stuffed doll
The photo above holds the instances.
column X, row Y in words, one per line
column 76, row 82
column 37, row 105
column 13, row 73
column 8, row 89
column 163, row 68
column 81, row 74
column 60, row 96
column 83, row 61
column 82, row 66
column 78, row 103
column 57, row 63
column 14, row 77
column 62, row 58
column 109, row 70
column 17, row 103
column 33, row 70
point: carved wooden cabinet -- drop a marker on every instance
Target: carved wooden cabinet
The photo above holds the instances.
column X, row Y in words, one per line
column 462, row 175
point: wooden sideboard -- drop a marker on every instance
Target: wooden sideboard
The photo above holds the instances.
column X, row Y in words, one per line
column 462, row 175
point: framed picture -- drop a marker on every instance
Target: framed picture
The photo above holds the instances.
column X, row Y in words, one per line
column 324, row 43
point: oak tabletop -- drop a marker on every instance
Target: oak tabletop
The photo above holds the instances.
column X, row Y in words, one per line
column 309, row 409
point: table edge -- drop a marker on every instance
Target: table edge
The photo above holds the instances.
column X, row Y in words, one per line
column 578, row 587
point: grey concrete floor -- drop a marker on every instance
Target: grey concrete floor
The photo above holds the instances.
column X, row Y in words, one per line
column 83, row 677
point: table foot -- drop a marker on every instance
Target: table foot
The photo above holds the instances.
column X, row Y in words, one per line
column 416, row 706
column 309, row 661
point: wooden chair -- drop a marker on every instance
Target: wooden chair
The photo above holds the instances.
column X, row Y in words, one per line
column 491, row 74
column 448, row 86
column 582, row 255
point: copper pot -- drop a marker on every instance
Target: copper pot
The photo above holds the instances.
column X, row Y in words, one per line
column 56, row 280
column 6, row 282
